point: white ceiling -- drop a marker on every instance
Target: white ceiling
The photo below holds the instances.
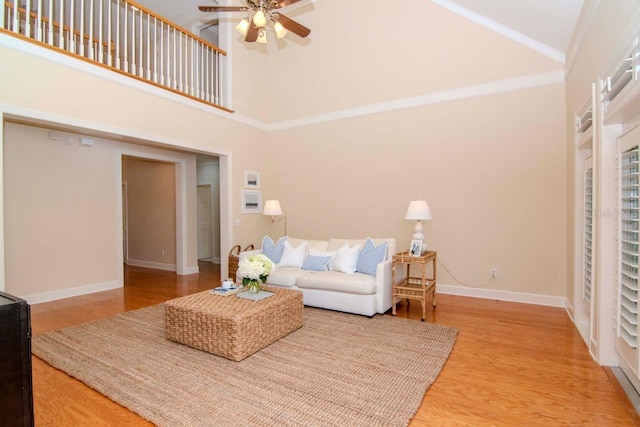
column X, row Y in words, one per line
column 545, row 25
column 550, row 22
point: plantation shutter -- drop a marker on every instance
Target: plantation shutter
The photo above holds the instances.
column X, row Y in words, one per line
column 588, row 231
column 627, row 303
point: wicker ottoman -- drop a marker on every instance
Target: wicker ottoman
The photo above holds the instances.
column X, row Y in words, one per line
column 233, row 327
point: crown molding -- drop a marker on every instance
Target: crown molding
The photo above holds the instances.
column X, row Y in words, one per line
column 502, row 29
column 500, row 86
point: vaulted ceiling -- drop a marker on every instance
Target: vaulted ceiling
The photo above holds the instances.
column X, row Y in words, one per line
column 548, row 24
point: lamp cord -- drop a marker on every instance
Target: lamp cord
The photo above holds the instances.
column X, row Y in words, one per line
column 461, row 282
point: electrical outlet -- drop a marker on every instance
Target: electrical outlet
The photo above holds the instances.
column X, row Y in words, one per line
column 494, row 273
column 163, row 252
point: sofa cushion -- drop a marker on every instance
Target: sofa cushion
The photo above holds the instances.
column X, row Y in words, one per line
column 358, row 283
column 346, row 259
column 285, row 276
column 316, row 263
column 271, row 250
column 370, row 256
column 293, row 257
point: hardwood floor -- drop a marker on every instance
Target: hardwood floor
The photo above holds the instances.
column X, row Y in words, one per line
column 513, row 364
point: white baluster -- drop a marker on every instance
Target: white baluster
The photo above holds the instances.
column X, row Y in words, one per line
column 148, row 47
column 100, row 38
column 180, row 61
column 81, row 36
column 27, row 19
column 162, row 67
column 118, row 65
column 90, row 44
column 140, row 64
column 134, row 67
column 72, row 23
column 61, row 38
column 126, row 36
column 218, row 98
column 174, row 60
column 51, row 16
column 155, row 53
column 39, row 28
column 109, row 36
column 205, row 76
column 194, row 63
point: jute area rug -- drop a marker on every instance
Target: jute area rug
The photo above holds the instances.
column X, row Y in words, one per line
column 337, row 370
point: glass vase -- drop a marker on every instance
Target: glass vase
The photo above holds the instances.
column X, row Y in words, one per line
column 254, row 286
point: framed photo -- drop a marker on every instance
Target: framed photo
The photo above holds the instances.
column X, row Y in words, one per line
column 251, row 179
column 416, row 247
column 251, row 201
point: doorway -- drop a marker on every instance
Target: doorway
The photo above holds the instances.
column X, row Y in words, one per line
column 150, row 215
column 205, row 223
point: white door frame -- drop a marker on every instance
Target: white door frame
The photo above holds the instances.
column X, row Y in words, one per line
column 182, row 266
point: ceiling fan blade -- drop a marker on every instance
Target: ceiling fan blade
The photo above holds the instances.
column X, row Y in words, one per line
column 292, row 25
column 283, row 3
column 252, row 34
column 222, row 8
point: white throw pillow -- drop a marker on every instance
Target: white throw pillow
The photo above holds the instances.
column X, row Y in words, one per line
column 293, row 257
column 346, row 259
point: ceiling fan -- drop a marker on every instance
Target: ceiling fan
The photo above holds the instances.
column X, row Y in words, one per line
column 254, row 28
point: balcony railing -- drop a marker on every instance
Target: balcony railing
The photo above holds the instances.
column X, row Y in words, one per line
column 124, row 37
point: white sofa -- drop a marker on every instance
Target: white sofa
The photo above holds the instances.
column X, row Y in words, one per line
column 356, row 293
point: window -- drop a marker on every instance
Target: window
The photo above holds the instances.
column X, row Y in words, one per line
column 629, row 245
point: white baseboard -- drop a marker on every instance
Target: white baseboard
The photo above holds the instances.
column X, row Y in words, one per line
column 521, row 297
column 149, row 264
column 71, row 292
column 570, row 309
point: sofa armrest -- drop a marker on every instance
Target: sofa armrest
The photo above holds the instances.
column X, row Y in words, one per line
column 383, row 286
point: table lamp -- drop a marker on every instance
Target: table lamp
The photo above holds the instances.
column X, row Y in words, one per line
column 418, row 210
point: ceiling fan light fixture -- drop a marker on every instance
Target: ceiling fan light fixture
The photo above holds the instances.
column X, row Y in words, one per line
column 280, row 30
column 259, row 19
column 243, row 26
column 262, row 36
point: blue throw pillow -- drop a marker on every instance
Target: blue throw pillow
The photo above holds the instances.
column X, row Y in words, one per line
column 271, row 250
column 316, row 263
column 370, row 256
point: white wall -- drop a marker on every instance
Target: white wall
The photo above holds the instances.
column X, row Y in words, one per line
column 62, row 212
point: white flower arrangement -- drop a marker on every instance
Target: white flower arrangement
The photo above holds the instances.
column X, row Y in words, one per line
column 254, row 268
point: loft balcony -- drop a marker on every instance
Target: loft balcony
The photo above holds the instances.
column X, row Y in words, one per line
column 124, row 37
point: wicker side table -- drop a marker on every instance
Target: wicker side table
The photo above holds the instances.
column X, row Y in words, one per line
column 412, row 287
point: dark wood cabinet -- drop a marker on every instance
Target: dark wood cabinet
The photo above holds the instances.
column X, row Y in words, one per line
column 16, row 398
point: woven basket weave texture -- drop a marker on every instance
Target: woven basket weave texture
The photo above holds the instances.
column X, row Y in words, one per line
column 233, row 327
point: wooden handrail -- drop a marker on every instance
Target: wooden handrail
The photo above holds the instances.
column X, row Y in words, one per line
column 109, row 45
column 177, row 27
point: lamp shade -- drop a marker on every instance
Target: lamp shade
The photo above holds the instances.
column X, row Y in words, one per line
column 418, row 209
column 280, row 30
column 272, row 208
